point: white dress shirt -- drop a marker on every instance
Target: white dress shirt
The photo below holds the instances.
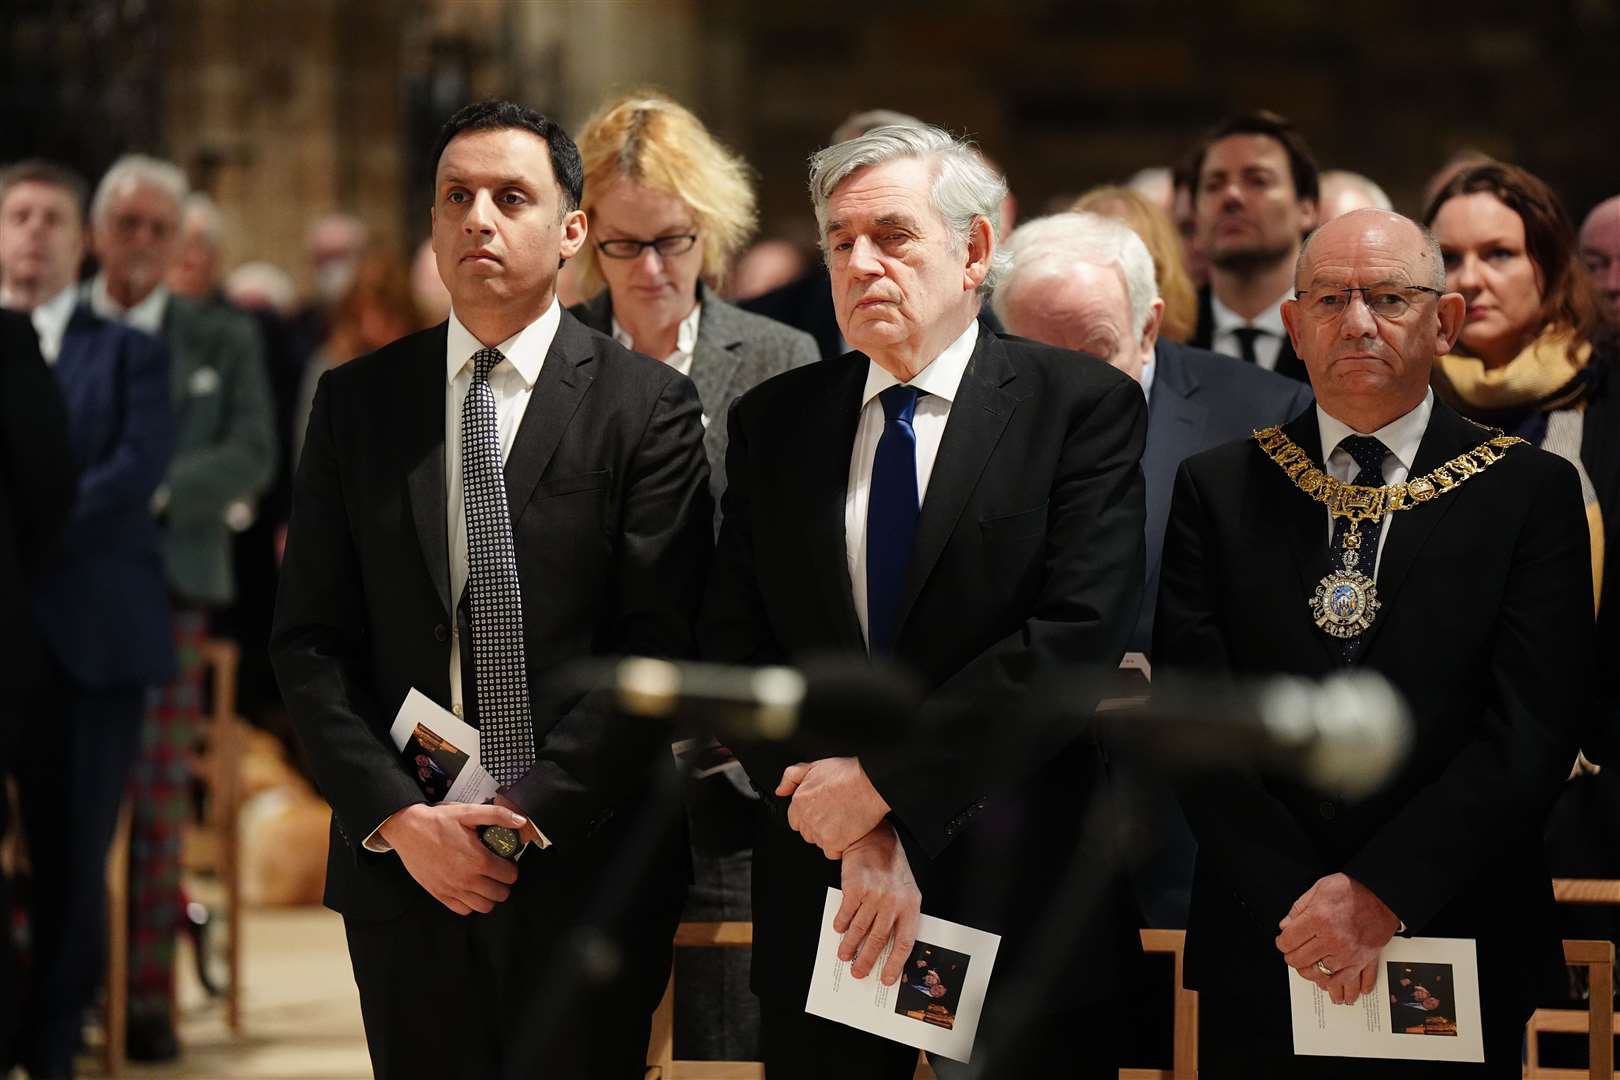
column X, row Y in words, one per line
column 939, row 380
column 685, row 341
column 1267, row 347
column 1400, row 437
column 146, row 315
column 1146, row 379
column 513, row 381
column 50, row 321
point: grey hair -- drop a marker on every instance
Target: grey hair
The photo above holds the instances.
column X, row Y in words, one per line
column 1049, row 246
column 139, row 169
column 964, row 188
column 1375, row 194
column 207, row 211
column 1432, row 256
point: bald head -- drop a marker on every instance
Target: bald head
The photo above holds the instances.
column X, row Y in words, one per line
column 1427, row 265
column 1600, row 250
column 1344, row 191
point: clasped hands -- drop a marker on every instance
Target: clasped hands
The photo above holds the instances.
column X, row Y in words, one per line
column 442, row 850
column 1342, row 925
column 835, row 807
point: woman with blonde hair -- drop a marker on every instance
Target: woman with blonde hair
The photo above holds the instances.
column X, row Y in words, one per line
column 669, row 208
column 1157, row 231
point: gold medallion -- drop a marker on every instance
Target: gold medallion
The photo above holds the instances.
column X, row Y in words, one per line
column 1345, row 604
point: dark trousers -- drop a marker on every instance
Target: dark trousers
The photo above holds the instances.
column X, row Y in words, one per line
column 11, row 987
column 1083, row 1043
column 71, row 774
column 517, row 993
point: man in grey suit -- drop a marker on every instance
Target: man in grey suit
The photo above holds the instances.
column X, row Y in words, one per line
column 1086, row 282
column 224, row 458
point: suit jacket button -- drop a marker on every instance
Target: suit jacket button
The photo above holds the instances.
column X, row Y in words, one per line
column 441, row 632
column 1328, row 811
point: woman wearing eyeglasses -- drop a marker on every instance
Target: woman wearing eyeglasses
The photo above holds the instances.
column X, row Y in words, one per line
column 669, row 208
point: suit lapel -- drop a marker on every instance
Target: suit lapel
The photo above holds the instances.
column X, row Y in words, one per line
column 1409, row 530
column 714, row 357
column 1303, row 520
column 425, row 479
column 564, row 379
column 827, row 438
column 1175, row 419
column 978, row 417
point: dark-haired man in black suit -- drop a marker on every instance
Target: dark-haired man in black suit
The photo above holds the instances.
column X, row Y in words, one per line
column 970, row 506
column 1473, row 597
column 478, row 505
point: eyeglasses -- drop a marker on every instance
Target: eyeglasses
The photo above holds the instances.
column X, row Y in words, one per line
column 632, row 249
column 1385, row 301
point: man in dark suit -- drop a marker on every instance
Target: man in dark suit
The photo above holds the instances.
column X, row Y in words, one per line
column 969, row 506
column 1483, row 621
column 1080, row 281
column 98, row 602
column 1254, row 198
column 591, row 539
column 37, row 481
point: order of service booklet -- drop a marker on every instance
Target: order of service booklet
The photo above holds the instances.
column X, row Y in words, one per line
column 441, row 752
column 937, row 1002
column 1424, row 1008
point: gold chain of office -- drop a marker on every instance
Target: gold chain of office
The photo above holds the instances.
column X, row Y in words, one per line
column 1346, row 600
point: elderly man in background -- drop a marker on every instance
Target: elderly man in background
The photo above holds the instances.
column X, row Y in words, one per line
column 224, row 458
column 98, row 601
column 1085, row 282
column 969, row 506
column 1343, row 191
column 1468, row 588
column 1255, row 193
column 1600, row 250
column 198, row 270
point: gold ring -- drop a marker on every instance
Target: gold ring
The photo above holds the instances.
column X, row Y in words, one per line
column 1324, row 969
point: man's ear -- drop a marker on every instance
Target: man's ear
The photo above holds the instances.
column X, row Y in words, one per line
column 1150, row 331
column 1310, row 211
column 981, row 247
column 1451, row 310
column 574, row 228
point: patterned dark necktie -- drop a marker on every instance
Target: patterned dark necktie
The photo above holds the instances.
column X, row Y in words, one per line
column 506, row 731
column 891, row 517
column 1246, row 337
column 1368, row 454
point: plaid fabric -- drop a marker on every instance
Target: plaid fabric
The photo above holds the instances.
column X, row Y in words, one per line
column 160, row 799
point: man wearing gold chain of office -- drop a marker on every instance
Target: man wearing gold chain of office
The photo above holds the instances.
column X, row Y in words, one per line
column 1379, row 529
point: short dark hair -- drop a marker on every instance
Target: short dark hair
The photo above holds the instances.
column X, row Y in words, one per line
column 496, row 114
column 40, row 171
column 1301, row 162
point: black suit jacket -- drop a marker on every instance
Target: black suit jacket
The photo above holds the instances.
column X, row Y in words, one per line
column 1200, row 399
column 37, row 481
column 611, row 521
column 1028, row 554
column 1288, row 361
column 1485, row 629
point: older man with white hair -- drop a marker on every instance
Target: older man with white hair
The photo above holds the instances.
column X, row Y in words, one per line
column 224, row 458
column 967, row 506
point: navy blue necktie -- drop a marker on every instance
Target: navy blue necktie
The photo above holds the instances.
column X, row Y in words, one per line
column 1368, row 454
column 891, row 517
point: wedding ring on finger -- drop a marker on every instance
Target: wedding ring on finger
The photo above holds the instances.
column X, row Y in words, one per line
column 1324, row 969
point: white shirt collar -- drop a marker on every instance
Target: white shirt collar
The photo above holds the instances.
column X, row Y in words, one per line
column 525, row 350
column 1147, row 378
column 51, row 320
column 1400, row 437
column 685, row 334
column 940, row 378
column 146, row 315
column 1227, row 320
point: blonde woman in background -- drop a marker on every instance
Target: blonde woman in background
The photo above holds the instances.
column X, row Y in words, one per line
column 669, row 208
column 1158, row 232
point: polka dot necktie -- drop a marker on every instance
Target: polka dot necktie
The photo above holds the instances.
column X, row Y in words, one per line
column 1368, row 454
column 505, row 728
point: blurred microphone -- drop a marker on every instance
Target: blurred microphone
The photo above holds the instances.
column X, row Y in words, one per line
column 835, row 699
column 1346, row 734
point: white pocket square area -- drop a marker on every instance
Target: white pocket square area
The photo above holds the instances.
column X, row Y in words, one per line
column 205, row 380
